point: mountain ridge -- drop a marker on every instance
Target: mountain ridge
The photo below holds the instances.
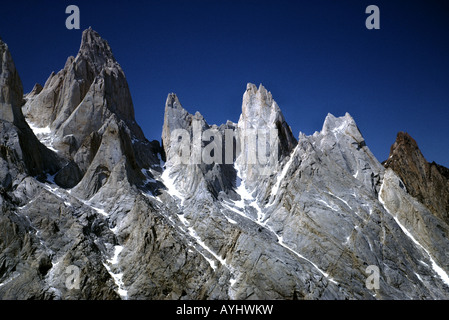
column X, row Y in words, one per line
column 233, row 211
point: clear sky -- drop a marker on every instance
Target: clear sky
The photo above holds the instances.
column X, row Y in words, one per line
column 315, row 57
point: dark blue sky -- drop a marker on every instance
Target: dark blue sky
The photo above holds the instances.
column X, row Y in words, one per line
column 314, row 56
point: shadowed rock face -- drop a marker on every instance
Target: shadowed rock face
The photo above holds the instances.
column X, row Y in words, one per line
column 11, row 94
column 97, row 197
column 427, row 182
column 21, row 153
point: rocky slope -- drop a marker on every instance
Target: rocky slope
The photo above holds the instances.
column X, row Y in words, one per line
column 233, row 211
column 427, row 182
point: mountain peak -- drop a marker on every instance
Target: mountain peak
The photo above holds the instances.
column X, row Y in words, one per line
column 91, row 37
column 405, row 146
column 253, row 94
column 20, row 148
column 95, row 48
column 90, row 94
column 173, row 102
column 261, row 112
column 332, row 120
column 344, row 124
column 425, row 181
column 259, row 108
column 403, row 138
column 175, row 117
column 11, row 94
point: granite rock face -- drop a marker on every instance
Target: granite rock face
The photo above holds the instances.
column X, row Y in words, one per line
column 90, row 209
column 75, row 104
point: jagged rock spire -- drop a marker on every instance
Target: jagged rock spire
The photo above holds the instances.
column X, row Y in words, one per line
column 175, row 117
column 11, row 92
column 96, row 52
column 262, row 120
column 80, row 98
column 428, row 182
column 260, row 111
column 341, row 125
column 95, row 49
column 88, row 109
column 21, row 151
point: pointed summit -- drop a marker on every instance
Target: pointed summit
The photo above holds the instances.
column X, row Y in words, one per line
column 258, row 106
column 260, row 111
column 176, row 117
column 405, row 148
column 87, row 109
column 405, row 143
column 11, row 92
column 173, row 102
column 95, row 49
column 262, row 120
column 21, row 151
column 428, row 182
column 341, row 125
column 80, row 98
